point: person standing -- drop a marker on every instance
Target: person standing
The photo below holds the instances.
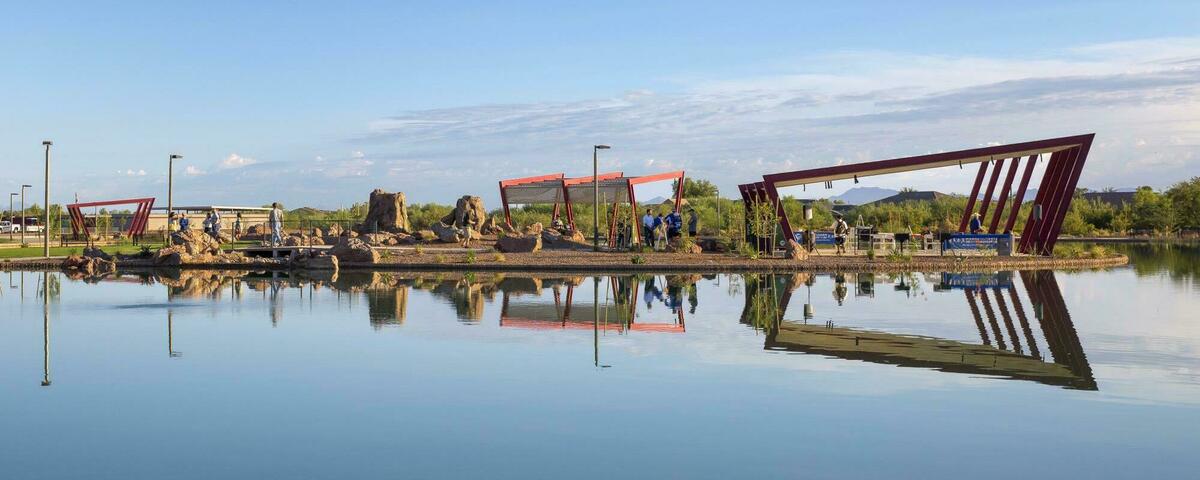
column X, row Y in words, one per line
column 206, row 225
column 275, row 221
column 648, row 228
column 237, row 226
column 216, row 226
column 184, row 223
column 840, row 230
column 693, row 223
column 468, row 220
column 976, row 225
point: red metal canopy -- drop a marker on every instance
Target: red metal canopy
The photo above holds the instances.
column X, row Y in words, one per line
column 1066, row 158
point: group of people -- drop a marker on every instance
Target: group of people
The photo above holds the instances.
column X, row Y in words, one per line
column 659, row 230
column 212, row 224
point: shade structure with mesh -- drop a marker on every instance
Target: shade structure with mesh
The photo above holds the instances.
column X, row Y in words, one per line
column 612, row 188
column 1063, row 158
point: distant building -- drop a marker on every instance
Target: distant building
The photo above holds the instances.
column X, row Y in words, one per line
column 1115, row 199
column 912, row 196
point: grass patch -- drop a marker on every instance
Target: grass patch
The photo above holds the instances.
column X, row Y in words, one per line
column 1077, row 251
column 499, row 257
column 637, row 260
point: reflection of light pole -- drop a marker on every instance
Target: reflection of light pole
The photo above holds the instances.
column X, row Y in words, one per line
column 45, row 329
column 596, row 319
column 23, row 187
column 596, row 199
column 171, row 338
column 46, row 226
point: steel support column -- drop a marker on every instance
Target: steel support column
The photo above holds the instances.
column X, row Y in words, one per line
column 1000, row 202
column 966, row 216
column 991, row 188
column 1016, row 207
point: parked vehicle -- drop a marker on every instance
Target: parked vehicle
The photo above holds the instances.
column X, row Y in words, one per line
column 7, row 227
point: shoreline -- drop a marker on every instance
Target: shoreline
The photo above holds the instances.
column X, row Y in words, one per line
column 606, row 262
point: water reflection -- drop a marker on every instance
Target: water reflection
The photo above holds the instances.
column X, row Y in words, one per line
column 1012, row 328
column 768, row 297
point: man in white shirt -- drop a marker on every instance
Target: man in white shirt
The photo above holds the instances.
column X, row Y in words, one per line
column 648, row 228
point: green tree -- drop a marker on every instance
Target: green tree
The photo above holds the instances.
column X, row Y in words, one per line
column 693, row 188
column 1151, row 211
column 1184, row 198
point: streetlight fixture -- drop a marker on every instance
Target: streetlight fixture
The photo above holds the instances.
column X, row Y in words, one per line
column 46, row 224
column 170, row 186
column 23, row 187
column 596, row 197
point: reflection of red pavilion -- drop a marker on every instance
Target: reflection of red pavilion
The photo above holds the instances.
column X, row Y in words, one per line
column 618, row 316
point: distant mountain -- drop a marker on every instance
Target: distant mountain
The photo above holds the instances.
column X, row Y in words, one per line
column 863, row 195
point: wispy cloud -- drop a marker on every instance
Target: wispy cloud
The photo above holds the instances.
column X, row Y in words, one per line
column 235, row 161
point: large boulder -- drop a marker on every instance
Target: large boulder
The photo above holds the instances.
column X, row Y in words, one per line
column 679, row 246
column 447, row 233
column 519, row 243
column 425, row 235
column 320, row 261
column 94, row 252
column 490, row 227
column 354, row 250
column 378, row 239
column 335, row 230
column 257, row 230
column 387, row 211
column 89, row 265
column 466, row 204
column 195, row 242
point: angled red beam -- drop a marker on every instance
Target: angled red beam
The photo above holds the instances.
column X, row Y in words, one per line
column 504, row 203
column 784, row 222
column 588, row 179
column 1031, row 223
column 1058, row 190
column 570, row 210
column 924, row 161
column 105, row 203
column 966, row 216
column 1048, row 192
column 635, row 228
column 1003, row 199
column 512, row 182
column 145, row 217
column 1080, row 159
column 679, row 193
column 1016, row 208
column 676, row 175
column 991, row 188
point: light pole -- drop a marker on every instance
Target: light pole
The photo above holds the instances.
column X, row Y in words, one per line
column 11, row 219
column 596, row 198
column 23, row 187
column 170, row 187
column 46, row 225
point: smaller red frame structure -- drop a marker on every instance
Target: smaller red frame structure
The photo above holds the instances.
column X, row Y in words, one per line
column 616, row 183
column 137, row 226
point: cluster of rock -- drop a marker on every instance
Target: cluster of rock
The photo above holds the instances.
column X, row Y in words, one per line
column 192, row 247
column 93, row 262
column 468, row 209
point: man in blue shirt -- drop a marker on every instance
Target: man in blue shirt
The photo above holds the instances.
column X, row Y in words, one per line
column 976, row 224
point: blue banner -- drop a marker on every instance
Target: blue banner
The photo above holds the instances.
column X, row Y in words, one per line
column 966, row 241
column 823, row 238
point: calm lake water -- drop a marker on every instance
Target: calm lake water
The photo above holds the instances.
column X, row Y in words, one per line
column 1089, row 374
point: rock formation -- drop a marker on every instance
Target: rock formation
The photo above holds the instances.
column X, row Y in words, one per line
column 387, row 211
column 795, row 251
column 354, row 250
column 519, row 243
column 462, row 206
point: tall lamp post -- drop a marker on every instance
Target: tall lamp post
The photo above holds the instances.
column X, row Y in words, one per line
column 12, row 224
column 170, row 186
column 23, row 187
column 46, row 225
column 596, row 198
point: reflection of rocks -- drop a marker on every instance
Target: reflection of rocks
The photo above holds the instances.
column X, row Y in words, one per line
column 387, row 305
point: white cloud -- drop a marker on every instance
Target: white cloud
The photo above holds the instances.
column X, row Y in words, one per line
column 235, row 161
column 192, row 170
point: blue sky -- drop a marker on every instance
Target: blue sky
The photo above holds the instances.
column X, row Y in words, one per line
column 319, row 103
